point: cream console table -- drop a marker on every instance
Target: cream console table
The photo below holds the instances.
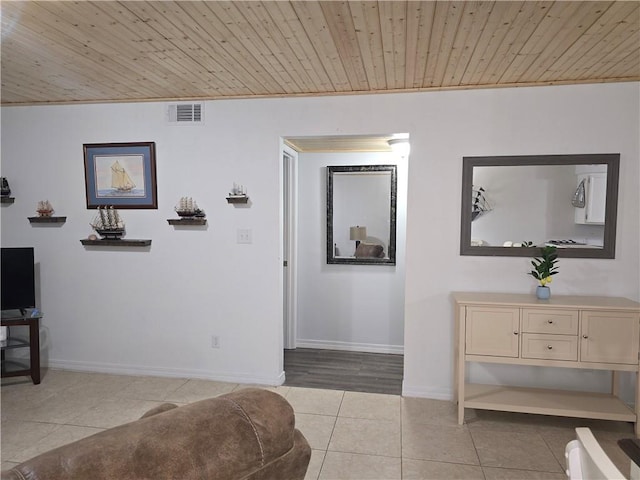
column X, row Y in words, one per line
column 600, row 333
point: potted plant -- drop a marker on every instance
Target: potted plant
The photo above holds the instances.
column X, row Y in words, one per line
column 544, row 268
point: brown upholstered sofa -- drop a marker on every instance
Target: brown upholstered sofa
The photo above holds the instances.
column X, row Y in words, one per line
column 249, row 434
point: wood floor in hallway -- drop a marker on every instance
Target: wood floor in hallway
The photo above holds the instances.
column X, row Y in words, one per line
column 342, row 370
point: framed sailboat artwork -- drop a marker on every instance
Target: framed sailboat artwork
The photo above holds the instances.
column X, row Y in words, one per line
column 122, row 175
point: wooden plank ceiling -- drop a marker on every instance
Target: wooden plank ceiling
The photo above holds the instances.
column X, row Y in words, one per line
column 62, row 51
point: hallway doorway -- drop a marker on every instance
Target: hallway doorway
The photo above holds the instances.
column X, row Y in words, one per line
column 343, row 324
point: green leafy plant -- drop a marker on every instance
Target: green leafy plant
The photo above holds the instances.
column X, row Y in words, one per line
column 545, row 266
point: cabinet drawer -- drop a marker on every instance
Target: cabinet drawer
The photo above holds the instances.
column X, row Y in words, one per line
column 554, row 321
column 549, row 347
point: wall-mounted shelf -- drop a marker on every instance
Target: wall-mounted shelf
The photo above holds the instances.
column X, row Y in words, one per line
column 115, row 243
column 47, row 219
column 7, row 199
column 237, row 199
column 187, row 221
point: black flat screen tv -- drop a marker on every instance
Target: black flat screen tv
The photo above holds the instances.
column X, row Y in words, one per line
column 18, row 278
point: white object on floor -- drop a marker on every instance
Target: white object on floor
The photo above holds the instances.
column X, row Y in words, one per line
column 587, row 461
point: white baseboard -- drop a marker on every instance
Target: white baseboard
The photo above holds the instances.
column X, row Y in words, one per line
column 280, row 381
column 118, row 369
column 351, row 347
column 421, row 392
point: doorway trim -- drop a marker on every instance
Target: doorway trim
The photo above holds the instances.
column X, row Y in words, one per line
column 289, row 158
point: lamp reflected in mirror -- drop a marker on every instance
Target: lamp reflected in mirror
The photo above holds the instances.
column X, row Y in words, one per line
column 358, row 234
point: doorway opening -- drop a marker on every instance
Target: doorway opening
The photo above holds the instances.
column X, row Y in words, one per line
column 343, row 322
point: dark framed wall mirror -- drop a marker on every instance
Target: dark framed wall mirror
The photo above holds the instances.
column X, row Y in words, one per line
column 361, row 214
column 513, row 205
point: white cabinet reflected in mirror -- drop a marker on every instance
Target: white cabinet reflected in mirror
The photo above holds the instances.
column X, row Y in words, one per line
column 513, row 205
column 361, row 214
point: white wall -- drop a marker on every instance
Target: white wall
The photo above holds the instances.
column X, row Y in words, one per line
column 154, row 311
column 350, row 307
column 554, row 120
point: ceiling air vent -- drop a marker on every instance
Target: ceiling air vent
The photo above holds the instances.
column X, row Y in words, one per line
column 185, row 113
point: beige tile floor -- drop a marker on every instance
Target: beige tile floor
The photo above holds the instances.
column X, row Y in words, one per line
column 353, row 435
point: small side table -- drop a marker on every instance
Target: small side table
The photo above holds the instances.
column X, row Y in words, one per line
column 12, row 368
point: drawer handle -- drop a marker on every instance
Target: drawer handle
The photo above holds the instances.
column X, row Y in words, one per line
column 515, row 333
column 550, row 321
column 549, row 347
column 585, row 336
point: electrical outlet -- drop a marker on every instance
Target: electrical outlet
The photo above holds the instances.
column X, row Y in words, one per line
column 215, row 341
column 243, row 235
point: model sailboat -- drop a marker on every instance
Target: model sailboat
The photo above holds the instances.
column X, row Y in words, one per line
column 120, row 179
column 44, row 208
column 187, row 207
column 108, row 223
column 480, row 204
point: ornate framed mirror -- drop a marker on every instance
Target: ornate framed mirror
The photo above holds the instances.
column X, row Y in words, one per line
column 512, row 205
column 361, row 214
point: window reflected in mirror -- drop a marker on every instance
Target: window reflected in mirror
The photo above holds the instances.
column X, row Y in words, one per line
column 361, row 214
column 512, row 205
